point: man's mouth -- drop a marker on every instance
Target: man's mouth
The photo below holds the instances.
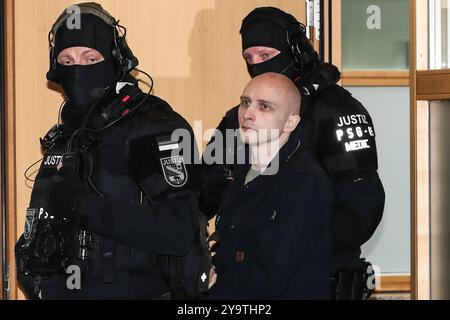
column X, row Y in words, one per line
column 246, row 128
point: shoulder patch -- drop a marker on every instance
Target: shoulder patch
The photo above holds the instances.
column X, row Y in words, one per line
column 29, row 222
column 174, row 170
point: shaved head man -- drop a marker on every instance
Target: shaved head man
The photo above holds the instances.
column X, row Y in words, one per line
column 273, row 225
column 268, row 114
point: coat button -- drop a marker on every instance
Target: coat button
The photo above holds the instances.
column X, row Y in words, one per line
column 232, row 226
column 240, row 256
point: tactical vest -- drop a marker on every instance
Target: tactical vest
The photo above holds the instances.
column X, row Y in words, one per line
column 50, row 244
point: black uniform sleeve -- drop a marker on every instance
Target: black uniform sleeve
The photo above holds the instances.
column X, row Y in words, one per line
column 343, row 134
column 166, row 226
column 344, row 139
column 358, row 208
column 216, row 176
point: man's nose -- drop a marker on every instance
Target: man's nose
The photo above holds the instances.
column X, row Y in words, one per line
column 256, row 59
column 249, row 114
column 79, row 61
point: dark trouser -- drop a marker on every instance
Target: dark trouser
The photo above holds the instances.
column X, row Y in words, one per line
column 29, row 286
column 353, row 284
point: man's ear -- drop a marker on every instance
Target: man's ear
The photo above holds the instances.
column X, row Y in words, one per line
column 292, row 123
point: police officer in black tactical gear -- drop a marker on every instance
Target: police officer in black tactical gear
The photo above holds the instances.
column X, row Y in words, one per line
column 114, row 208
column 335, row 129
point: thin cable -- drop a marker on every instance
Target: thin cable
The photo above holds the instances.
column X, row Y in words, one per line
column 122, row 29
column 69, row 143
column 119, row 78
column 60, row 109
column 31, row 166
column 131, row 111
column 151, row 79
column 25, row 174
column 83, row 127
column 90, row 179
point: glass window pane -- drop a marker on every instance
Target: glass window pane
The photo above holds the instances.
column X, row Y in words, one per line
column 375, row 34
column 389, row 248
column 439, row 34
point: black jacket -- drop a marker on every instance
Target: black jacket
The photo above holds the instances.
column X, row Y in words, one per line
column 111, row 183
column 274, row 238
column 336, row 131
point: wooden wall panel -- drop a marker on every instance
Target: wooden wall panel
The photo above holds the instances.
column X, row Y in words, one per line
column 191, row 48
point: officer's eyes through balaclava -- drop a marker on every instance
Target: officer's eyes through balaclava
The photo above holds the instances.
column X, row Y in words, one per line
column 79, row 55
column 267, row 33
column 84, row 84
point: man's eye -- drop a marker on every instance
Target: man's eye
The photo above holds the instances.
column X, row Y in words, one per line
column 92, row 60
column 245, row 103
column 265, row 56
column 248, row 59
column 66, row 62
column 265, row 106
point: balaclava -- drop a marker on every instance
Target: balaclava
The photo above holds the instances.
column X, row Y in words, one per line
column 264, row 27
column 84, row 84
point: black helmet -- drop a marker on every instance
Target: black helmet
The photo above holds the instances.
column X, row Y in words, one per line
column 99, row 31
column 272, row 27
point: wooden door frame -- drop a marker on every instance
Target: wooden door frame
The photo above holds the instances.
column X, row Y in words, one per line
column 2, row 153
column 428, row 85
column 10, row 147
column 419, row 162
column 333, row 26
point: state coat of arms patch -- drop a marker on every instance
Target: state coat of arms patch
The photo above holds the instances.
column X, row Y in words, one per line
column 174, row 170
column 29, row 222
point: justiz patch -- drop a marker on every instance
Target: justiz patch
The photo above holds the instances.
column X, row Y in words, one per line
column 174, row 171
column 53, row 160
